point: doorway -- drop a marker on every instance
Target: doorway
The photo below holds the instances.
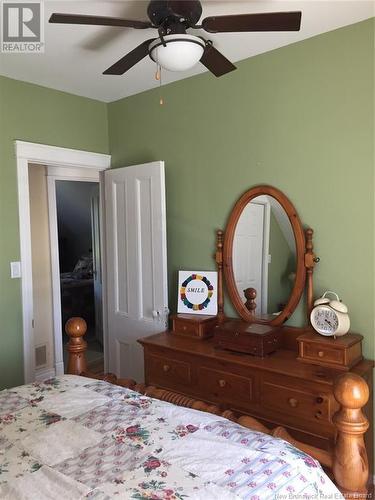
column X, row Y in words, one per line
column 61, row 162
column 66, row 264
column 133, row 245
column 251, row 267
column 77, row 210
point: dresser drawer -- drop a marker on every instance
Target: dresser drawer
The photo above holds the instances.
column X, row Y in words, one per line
column 323, row 353
column 200, row 326
column 295, row 401
column 167, row 372
column 185, row 327
column 342, row 352
column 225, row 387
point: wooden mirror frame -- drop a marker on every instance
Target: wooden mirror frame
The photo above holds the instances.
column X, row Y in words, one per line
column 304, row 256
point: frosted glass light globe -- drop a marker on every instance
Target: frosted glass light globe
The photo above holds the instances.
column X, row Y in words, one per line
column 181, row 53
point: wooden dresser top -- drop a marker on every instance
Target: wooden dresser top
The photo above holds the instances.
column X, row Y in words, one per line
column 282, row 361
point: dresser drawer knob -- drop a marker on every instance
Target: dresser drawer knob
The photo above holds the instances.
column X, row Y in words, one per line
column 293, row 402
column 236, row 334
column 166, row 368
column 184, row 327
column 222, row 383
column 319, row 400
column 321, row 354
column 318, row 414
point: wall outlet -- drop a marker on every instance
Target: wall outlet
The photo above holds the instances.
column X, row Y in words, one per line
column 15, row 270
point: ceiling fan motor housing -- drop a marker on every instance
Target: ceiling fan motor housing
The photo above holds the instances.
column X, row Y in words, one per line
column 163, row 12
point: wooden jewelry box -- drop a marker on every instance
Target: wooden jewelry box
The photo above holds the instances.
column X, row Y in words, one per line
column 250, row 338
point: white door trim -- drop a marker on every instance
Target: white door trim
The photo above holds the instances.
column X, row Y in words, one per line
column 265, row 259
column 262, row 200
column 40, row 154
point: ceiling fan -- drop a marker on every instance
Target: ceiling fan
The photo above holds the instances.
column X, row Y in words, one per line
column 173, row 48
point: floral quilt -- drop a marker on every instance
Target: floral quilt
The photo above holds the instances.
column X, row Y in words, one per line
column 75, row 438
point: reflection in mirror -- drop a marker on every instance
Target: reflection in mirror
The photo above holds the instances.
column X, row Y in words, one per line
column 264, row 256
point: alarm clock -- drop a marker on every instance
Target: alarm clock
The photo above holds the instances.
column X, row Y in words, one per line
column 330, row 317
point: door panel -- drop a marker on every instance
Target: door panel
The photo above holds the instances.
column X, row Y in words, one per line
column 136, row 263
column 248, row 251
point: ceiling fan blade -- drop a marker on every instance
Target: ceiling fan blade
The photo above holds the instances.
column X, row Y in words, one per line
column 267, row 21
column 129, row 60
column 216, row 62
column 98, row 21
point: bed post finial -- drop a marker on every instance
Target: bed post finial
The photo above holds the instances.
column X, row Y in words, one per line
column 350, row 464
column 76, row 329
column 310, row 261
column 219, row 263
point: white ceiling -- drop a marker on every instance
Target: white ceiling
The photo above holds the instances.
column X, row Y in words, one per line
column 75, row 56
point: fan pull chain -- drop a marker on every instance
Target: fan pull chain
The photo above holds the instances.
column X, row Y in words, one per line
column 158, row 78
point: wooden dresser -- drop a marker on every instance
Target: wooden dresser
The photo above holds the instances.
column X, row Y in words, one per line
column 277, row 390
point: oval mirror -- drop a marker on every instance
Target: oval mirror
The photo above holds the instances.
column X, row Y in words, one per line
column 264, row 248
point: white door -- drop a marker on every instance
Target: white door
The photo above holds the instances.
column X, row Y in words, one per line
column 136, row 257
column 248, row 252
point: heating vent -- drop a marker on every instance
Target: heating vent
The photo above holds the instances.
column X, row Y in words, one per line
column 41, row 356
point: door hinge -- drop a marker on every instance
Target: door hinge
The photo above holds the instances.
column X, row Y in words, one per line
column 32, row 323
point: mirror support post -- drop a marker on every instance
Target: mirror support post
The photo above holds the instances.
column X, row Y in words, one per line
column 310, row 261
column 219, row 263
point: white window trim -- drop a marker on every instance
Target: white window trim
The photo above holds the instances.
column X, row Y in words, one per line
column 50, row 156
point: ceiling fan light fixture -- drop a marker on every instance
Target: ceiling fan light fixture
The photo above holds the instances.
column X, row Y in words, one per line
column 181, row 52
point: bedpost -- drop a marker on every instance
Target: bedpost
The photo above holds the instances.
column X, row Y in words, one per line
column 76, row 329
column 350, row 464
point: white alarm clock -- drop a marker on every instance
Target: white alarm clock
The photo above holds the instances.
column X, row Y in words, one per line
column 330, row 317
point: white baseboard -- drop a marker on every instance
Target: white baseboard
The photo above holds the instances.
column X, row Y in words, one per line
column 59, row 368
column 44, row 374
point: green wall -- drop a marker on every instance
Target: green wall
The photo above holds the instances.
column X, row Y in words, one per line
column 35, row 114
column 299, row 118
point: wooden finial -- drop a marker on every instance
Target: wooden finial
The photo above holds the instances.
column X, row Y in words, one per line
column 310, row 261
column 350, row 463
column 76, row 329
column 219, row 262
column 250, row 295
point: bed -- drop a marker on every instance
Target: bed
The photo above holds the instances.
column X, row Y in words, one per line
column 73, row 437
column 81, row 436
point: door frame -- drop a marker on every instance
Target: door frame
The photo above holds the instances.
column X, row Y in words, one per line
column 48, row 156
column 60, row 174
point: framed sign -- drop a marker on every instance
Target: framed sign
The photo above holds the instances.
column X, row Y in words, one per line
column 197, row 292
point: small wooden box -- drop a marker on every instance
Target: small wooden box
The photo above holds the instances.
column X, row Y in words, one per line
column 341, row 352
column 251, row 338
column 199, row 326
